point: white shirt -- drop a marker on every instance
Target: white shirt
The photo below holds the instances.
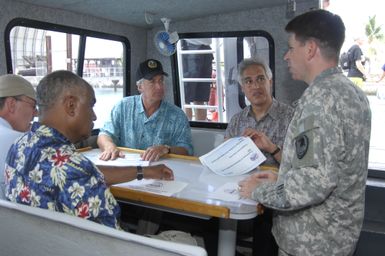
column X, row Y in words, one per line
column 7, row 138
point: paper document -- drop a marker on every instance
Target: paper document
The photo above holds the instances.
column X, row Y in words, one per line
column 235, row 156
column 160, row 187
column 130, row 159
column 229, row 192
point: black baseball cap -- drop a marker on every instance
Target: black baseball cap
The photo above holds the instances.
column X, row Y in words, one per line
column 148, row 69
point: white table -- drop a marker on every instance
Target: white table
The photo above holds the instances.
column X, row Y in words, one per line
column 194, row 200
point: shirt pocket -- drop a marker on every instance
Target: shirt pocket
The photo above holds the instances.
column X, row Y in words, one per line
column 164, row 138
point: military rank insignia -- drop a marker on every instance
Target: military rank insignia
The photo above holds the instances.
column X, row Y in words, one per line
column 301, row 146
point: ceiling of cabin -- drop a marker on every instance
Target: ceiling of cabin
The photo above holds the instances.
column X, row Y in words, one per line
column 133, row 11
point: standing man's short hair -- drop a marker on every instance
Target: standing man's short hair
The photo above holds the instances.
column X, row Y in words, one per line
column 325, row 27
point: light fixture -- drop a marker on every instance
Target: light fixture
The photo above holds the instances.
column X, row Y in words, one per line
column 149, row 17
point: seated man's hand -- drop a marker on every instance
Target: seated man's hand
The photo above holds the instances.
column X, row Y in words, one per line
column 260, row 139
column 158, row 172
column 111, row 153
column 154, row 153
column 260, row 209
column 248, row 185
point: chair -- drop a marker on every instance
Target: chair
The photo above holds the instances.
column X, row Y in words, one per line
column 29, row 230
column 204, row 141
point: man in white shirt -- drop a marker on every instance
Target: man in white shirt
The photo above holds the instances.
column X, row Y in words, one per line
column 17, row 109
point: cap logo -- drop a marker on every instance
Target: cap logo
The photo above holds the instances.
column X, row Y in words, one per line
column 152, row 64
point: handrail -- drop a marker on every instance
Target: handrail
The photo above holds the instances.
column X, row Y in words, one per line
column 166, row 156
column 217, row 80
column 203, row 80
column 196, row 51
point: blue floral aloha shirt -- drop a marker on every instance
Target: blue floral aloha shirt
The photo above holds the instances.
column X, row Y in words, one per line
column 43, row 169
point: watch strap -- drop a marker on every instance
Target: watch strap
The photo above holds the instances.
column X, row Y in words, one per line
column 275, row 151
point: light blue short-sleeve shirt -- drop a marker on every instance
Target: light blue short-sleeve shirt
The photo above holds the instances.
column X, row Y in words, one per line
column 129, row 126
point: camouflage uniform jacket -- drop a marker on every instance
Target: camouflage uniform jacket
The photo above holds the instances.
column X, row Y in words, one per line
column 319, row 194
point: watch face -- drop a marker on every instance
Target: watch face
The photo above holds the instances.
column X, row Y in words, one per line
column 139, row 172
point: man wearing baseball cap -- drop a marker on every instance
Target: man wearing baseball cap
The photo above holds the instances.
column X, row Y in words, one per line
column 17, row 109
column 146, row 121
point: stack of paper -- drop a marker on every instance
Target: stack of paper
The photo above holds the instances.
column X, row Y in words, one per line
column 129, row 159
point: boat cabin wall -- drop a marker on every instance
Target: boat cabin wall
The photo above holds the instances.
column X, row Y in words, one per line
column 141, row 41
column 272, row 20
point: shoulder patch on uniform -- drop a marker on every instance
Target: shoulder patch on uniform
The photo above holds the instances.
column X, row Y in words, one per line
column 301, row 146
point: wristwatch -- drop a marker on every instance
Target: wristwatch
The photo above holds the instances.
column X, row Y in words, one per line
column 275, row 151
column 139, row 173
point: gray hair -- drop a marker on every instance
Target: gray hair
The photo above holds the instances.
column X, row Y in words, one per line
column 52, row 86
column 140, row 81
column 253, row 61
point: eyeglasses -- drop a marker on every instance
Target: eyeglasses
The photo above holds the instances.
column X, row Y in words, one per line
column 33, row 105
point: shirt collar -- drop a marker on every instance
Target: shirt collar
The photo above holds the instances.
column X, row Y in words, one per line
column 141, row 107
column 272, row 111
column 140, row 103
column 55, row 134
column 326, row 73
column 5, row 123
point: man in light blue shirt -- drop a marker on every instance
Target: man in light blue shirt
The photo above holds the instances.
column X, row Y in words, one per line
column 17, row 109
column 146, row 121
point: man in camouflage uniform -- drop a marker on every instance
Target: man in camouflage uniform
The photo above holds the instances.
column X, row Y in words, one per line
column 318, row 195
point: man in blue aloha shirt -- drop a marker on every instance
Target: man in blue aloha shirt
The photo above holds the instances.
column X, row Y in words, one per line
column 43, row 168
column 146, row 121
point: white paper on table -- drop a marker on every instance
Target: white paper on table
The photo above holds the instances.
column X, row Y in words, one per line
column 229, row 192
column 235, row 156
column 160, row 187
column 130, row 159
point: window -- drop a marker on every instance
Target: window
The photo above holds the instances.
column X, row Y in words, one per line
column 104, row 71
column 207, row 86
column 34, row 49
column 368, row 25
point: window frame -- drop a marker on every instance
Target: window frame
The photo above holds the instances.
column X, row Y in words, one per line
column 82, row 33
column 376, row 174
column 239, row 35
